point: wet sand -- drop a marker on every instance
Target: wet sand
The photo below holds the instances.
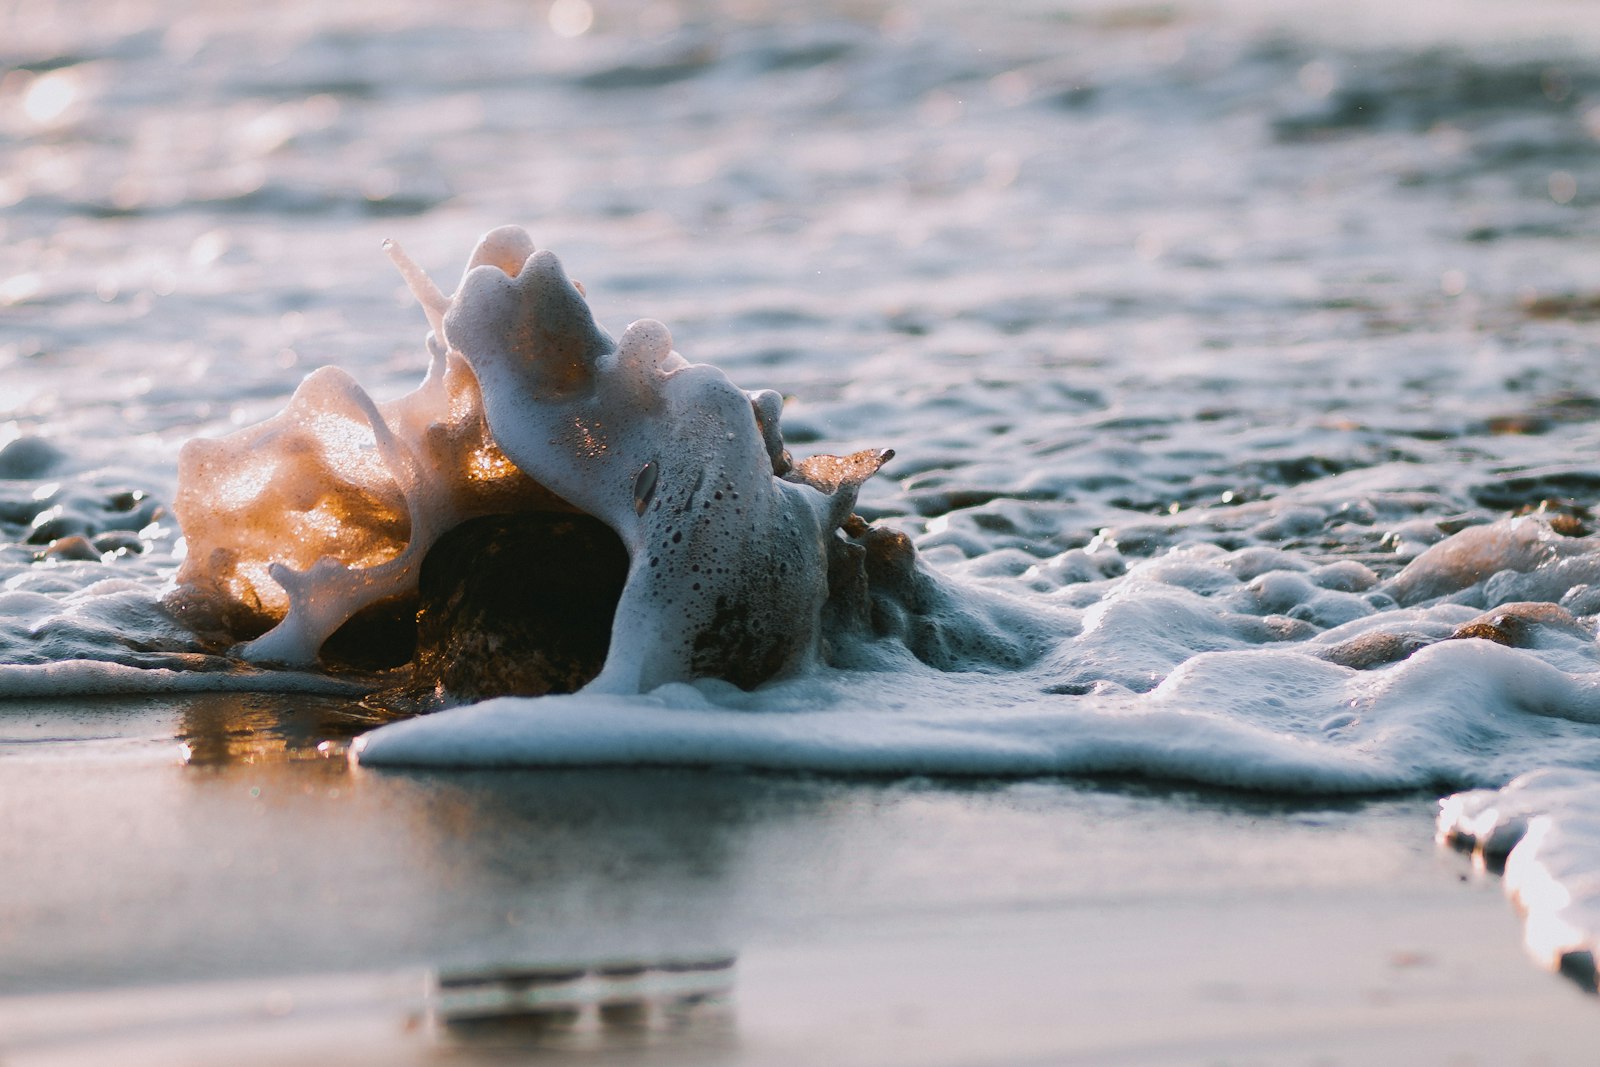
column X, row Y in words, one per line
column 194, row 880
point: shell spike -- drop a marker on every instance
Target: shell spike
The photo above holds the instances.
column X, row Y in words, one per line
column 434, row 303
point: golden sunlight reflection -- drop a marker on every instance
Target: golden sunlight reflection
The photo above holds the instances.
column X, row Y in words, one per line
column 50, row 97
column 589, row 439
column 571, row 18
column 242, row 486
column 20, row 288
column 1543, row 898
column 488, row 464
column 231, row 729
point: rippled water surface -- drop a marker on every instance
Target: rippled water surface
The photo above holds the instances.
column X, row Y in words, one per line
column 1192, row 326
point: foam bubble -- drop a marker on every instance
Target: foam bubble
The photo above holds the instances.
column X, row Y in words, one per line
column 68, row 678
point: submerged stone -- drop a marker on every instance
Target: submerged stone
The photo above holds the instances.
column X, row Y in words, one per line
column 517, row 605
column 1529, row 625
column 74, row 547
column 29, row 457
column 1373, row 649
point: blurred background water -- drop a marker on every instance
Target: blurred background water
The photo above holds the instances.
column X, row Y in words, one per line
column 1103, row 256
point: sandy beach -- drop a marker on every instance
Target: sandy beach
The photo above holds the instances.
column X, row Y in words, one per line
column 195, row 880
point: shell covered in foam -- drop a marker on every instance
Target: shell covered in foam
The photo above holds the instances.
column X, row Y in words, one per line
column 297, row 524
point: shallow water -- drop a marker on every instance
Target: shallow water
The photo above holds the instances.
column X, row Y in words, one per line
column 1191, row 327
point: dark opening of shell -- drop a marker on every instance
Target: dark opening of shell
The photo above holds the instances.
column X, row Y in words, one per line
column 518, row 605
column 507, row 605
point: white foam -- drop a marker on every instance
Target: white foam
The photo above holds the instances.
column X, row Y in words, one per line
column 1550, row 820
column 1038, row 738
column 78, row 677
column 1461, row 712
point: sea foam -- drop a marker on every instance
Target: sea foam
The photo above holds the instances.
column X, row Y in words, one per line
column 1152, row 678
column 1455, row 714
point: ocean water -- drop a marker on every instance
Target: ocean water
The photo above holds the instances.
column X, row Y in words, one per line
column 1238, row 359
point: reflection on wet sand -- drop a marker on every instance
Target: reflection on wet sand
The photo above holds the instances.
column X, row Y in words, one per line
column 331, row 867
column 610, row 1006
column 220, row 729
column 677, row 1010
column 528, row 910
column 511, row 874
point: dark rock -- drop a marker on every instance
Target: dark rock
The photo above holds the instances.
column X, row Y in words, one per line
column 378, row 637
column 126, row 500
column 1482, row 630
column 74, row 547
column 29, row 457
column 1579, row 966
column 1372, row 650
column 55, row 528
column 1523, row 625
column 737, row 648
column 517, row 605
column 878, row 588
column 119, row 541
column 20, row 512
column 1496, row 848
